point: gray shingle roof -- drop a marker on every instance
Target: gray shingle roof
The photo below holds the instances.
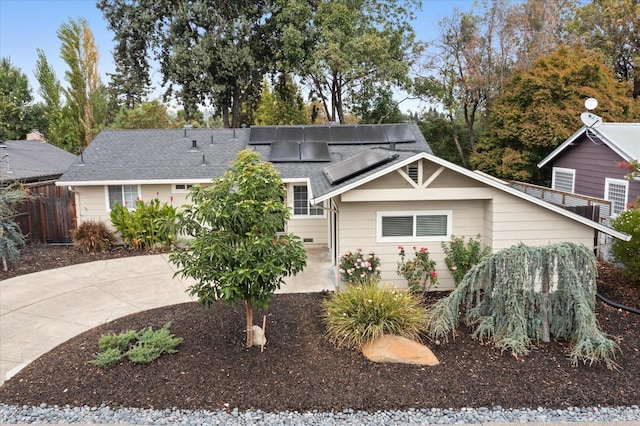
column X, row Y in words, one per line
column 166, row 155
column 32, row 160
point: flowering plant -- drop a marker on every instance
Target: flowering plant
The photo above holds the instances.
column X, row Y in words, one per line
column 461, row 255
column 420, row 272
column 356, row 267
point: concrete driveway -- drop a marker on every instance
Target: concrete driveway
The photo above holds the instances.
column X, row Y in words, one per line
column 42, row 310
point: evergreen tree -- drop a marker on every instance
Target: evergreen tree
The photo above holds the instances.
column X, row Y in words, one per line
column 11, row 238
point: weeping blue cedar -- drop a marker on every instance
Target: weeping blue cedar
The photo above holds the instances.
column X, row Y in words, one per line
column 524, row 294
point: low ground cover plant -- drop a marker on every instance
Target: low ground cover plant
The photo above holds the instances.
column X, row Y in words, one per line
column 141, row 347
column 420, row 272
column 461, row 256
column 93, row 237
column 357, row 267
column 359, row 313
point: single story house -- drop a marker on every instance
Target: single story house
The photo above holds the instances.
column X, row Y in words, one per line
column 369, row 187
column 586, row 163
column 32, row 160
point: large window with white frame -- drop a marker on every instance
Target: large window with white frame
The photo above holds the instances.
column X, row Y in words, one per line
column 563, row 179
column 301, row 205
column 401, row 226
column 124, row 195
column 616, row 191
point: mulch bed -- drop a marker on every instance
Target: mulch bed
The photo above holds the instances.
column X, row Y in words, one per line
column 300, row 370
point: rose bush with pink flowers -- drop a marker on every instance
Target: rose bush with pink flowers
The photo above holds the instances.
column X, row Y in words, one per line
column 357, row 267
column 420, row 272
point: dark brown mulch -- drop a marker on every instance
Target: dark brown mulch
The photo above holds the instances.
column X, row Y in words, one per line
column 299, row 370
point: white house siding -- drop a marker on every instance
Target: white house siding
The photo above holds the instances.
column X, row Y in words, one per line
column 357, row 230
column 313, row 231
column 515, row 221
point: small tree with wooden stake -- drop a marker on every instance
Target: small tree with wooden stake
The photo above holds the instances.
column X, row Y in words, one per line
column 11, row 238
column 238, row 252
column 522, row 294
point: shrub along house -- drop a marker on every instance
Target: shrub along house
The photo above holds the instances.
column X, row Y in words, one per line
column 369, row 187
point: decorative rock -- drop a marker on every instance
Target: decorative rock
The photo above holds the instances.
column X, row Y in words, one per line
column 259, row 338
column 397, row 349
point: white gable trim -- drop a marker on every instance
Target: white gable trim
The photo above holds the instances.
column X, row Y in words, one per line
column 480, row 177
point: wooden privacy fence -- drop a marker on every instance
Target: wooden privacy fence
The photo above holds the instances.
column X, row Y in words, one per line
column 49, row 215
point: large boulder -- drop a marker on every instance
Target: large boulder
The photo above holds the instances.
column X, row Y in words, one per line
column 390, row 348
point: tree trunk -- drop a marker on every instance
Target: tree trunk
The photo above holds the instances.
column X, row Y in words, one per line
column 249, row 311
column 546, row 338
column 5, row 267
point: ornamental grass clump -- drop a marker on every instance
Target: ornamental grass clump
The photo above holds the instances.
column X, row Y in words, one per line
column 357, row 268
column 525, row 294
column 93, row 237
column 359, row 313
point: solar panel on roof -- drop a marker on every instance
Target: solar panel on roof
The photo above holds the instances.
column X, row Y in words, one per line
column 295, row 134
column 314, row 151
column 284, row 151
column 356, row 165
column 262, row 135
column 344, row 135
column 399, row 133
column 371, row 134
column 317, row 134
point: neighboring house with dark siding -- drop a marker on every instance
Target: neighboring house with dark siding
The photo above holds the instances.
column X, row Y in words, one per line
column 586, row 163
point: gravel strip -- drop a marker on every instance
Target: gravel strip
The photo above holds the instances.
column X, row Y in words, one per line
column 103, row 414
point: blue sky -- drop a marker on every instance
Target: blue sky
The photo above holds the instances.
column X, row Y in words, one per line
column 26, row 25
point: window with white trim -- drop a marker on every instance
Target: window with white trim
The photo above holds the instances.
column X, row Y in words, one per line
column 181, row 188
column 563, row 179
column 301, row 205
column 616, row 191
column 124, row 195
column 414, row 225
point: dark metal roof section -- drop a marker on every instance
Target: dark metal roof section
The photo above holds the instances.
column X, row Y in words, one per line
column 357, row 164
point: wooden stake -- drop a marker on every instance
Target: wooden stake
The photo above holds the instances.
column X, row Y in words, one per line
column 264, row 335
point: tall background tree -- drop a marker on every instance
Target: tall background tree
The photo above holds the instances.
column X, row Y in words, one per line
column 350, row 47
column 541, row 107
column 612, row 27
column 17, row 114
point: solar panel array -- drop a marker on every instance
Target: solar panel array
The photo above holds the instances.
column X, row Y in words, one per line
column 356, row 165
column 333, row 135
column 290, row 151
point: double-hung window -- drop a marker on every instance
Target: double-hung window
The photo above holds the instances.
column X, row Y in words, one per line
column 124, row 195
column 414, row 225
column 301, row 205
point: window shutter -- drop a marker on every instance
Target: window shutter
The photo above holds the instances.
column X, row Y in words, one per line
column 397, row 226
column 431, row 225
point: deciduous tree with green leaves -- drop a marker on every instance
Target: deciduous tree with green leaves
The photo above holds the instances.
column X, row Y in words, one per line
column 541, row 108
column 237, row 253
column 15, row 99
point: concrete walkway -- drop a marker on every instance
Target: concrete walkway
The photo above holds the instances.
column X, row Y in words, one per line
column 42, row 310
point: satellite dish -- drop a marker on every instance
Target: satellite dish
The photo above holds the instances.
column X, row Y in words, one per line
column 591, row 104
column 591, row 120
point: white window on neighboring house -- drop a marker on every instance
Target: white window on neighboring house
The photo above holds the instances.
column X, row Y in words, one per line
column 301, row 205
column 616, row 191
column 124, row 195
column 414, row 225
column 180, row 188
column 563, row 179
